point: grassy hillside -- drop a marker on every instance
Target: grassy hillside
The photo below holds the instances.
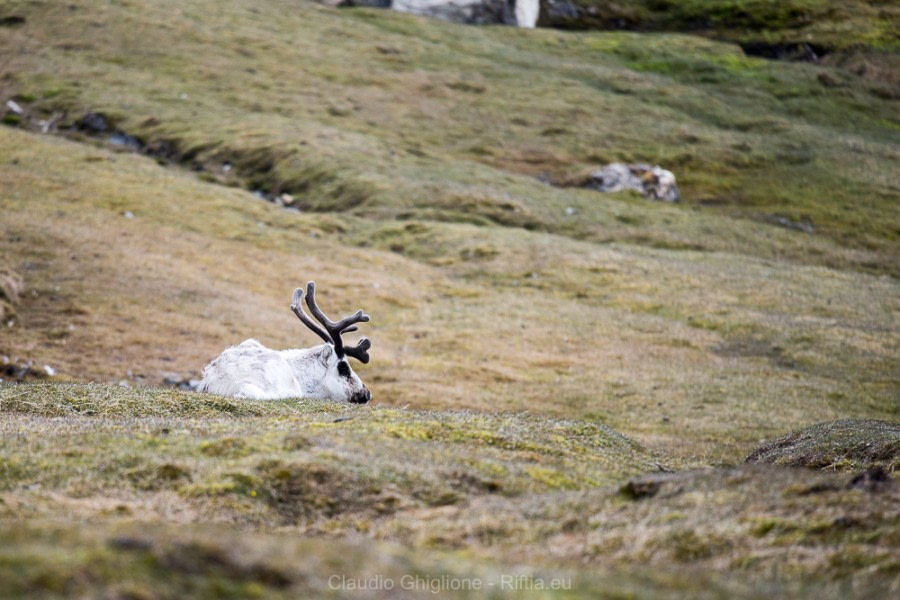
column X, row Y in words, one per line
column 539, row 350
column 827, row 25
column 391, row 116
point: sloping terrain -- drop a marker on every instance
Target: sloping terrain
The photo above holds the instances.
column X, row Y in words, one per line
column 393, row 116
column 401, row 493
column 536, row 345
column 765, row 26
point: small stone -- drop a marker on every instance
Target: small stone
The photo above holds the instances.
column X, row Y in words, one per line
column 12, row 106
column 93, row 123
column 120, row 138
column 641, row 488
column 127, row 542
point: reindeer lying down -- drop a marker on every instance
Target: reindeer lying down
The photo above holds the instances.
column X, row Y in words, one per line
column 250, row 370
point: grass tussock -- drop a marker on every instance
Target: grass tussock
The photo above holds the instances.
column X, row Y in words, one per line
column 104, row 400
column 845, row 445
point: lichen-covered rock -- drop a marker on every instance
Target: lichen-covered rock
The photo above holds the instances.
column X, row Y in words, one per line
column 521, row 13
column 93, row 123
column 651, row 181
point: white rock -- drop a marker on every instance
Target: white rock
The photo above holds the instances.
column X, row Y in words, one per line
column 522, row 13
column 651, row 181
column 525, row 13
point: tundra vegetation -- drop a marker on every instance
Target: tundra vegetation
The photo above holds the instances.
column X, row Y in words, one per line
column 565, row 384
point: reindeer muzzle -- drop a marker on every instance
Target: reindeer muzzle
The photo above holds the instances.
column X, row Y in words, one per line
column 361, row 397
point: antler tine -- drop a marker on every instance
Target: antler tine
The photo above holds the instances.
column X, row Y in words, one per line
column 335, row 329
column 360, row 350
column 298, row 310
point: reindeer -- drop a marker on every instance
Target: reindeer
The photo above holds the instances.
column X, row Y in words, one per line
column 250, row 370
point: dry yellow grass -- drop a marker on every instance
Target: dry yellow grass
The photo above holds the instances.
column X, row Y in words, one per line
column 534, row 346
column 728, row 349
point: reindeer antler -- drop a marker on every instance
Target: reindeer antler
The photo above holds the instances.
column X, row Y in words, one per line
column 360, row 351
column 332, row 330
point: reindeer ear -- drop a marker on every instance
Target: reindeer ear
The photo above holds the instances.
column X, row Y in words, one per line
column 327, row 355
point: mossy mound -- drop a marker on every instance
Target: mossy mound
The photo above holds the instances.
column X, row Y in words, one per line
column 844, row 445
column 320, row 466
column 757, row 24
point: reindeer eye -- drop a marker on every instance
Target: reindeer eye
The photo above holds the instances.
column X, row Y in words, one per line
column 344, row 369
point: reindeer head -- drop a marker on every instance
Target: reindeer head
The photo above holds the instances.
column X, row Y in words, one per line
column 340, row 382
